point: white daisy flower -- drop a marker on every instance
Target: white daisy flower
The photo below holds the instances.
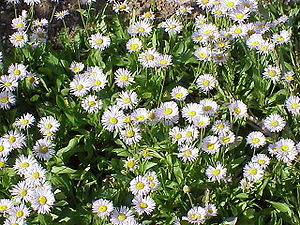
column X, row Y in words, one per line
column 22, row 191
column 91, row 104
column 216, row 173
column 102, row 207
column 39, row 34
column 282, row 38
column 148, row 15
column 220, row 126
column 197, row 214
column 18, row 39
column 142, row 28
column 32, row 2
column 265, row 47
column 203, row 54
column 199, row 37
column 286, row 150
column 5, row 205
column 253, row 171
column 292, row 104
column 201, row 121
column 3, row 160
column 99, row 41
column 8, row 83
column 42, row 200
column 245, row 184
column 210, row 144
column 130, row 164
column 153, row 181
column 36, row 175
column 48, row 124
column 25, row 121
column 5, row 148
column 139, row 115
column 179, row 93
column 60, row 15
column 208, row 107
column 254, row 41
column 80, row 86
column 187, row 153
column 148, row 58
column 121, row 7
column 143, row 205
column 19, row 71
column 184, row 10
column 127, row 99
column 211, row 209
column 274, row 123
column 172, row 26
column 97, row 81
column 288, row 76
column 205, row 4
column 226, row 138
column 76, row 67
column 139, row 186
column 163, row 61
column 113, row 118
column 168, row 111
column 44, row 149
column 177, row 135
column 123, row 77
column 256, row 139
column 238, row 108
column 14, row 221
column 134, row 45
column 7, row 100
column 32, row 80
column 130, row 135
column 15, row 139
column 191, row 110
column 24, row 163
column 200, row 19
column 121, row 215
column 238, row 31
column 272, row 72
column 190, row 134
column 262, row 159
column 21, row 211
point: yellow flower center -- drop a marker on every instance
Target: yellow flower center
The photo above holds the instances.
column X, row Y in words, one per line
column 79, row 87
column 122, row 217
column 202, row 54
column 284, row 148
column 143, row 205
column 149, row 57
column 145, row 153
column 216, row 172
column 189, row 134
column 207, row 32
column 97, row 83
column 274, row 123
column 48, row 126
column 36, row 175
column 131, row 164
column 255, row 140
column 199, row 38
column 30, row 79
column 230, row 4
column 206, row 82
column 126, row 100
column 207, row 108
column 2, row 164
column 7, row 84
column 261, row 161
column 187, row 152
column 19, row 214
column 19, row 25
column 210, row 146
column 225, row 139
column 3, row 207
column 113, row 120
column 163, row 62
column 178, row 95
column 42, row 200
column 24, row 165
column 19, row 37
column 102, row 208
column 130, row 133
column 124, row 78
column 192, row 113
column 24, row 122
column 237, row 110
column 272, row 73
column 280, row 39
column 92, row 103
column 253, row 171
column 239, row 15
column 12, row 139
column 134, row 47
column 99, row 41
column 4, row 99
column 140, row 117
column 150, row 178
column 168, row 111
column 1, row 148
column 295, row 106
column 127, row 119
column 140, row 185
column 23, row 192
column 237, row 30
column 122, row 7
column 17, row 72
column 43, row 149
column 178, row 136
column 141, row 29
column 172, row 26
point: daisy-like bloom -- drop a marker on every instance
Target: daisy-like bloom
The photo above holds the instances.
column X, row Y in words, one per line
column 32, row 80
column 265, row 47
column 127, row 99
column 36, row 175
column 42, row 22
column 256, row 139
column 203, row 53
column 24, row 163
column 3, row 160
column 15, row 139
column 191, row 111
column 163, row 61
column 91, row 104
column 142, row 28
column 25, row 121
column 226, row 138
column 190, row 133
column 172, row 25
column 121, row 215
column 32, row 2
column 245, row 184
column 216, row 173
column 272, row 72
column 5, row 205
column 179, row 93
column 254, row 41
column 208, row 107
column 97, row 81
column 148, row 15
column 60, row 15
column 282, row 38
column 7, row 100
column 22, row 191
column 19, row 39
column 230, row 4
column 200, row 20
column 274, row 123
column 44, row 149
column 18, row 23
column 184, row 10
column 146, row 153
column 121, row 7
column 239, row 14
column 42, row 200
column 201, row 121
column 14, row 221
column 123, row 77
column 113, row 118
column 198, row 37
column 210, row 144
column 220, row 126
column 177, row 135
column 148, row 58
column 5, row 148
column 102, row 207
column 187, row 153
column 168, row 111
column 253, row 171
column 292, row 104
column 99, row 41
column 139, row 115
column 262, row 159
column 238, row 108
column 134, row 45
column 76, row 67
column 195, row 215
column 130, row 164
column 80, row 86
column 19, row 71
column 139, row 186
column 286, row 150
column 48, row 124
column 131, row 135
column 209, row 31
column 39, row 35
column 211, row 209
column 153, row 181
column 8, row 83
column 21, row 211
column 143, row 205
column 288, row 76
column 205, row 4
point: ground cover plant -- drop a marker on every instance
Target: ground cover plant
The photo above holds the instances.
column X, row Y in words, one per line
column 131, row 118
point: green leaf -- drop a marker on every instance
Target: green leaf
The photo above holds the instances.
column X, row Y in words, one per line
column 282, row 207
column 62, row 170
